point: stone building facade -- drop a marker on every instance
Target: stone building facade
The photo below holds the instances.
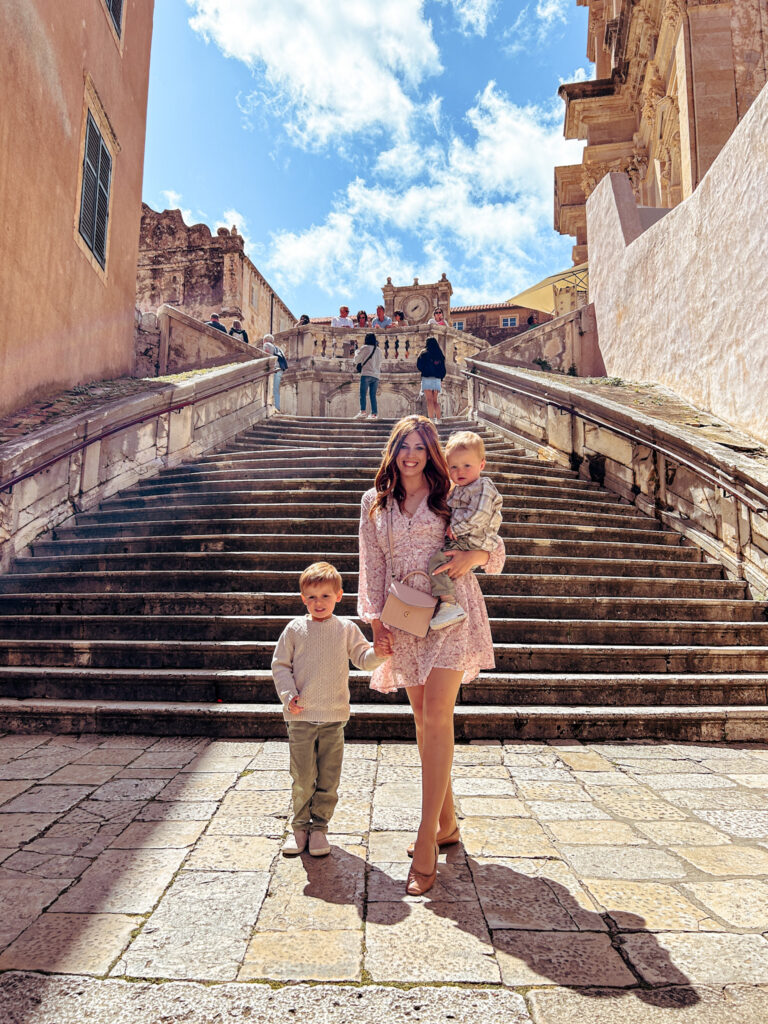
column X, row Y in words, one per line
column 673, row 79
column 201, row 273
column 73, row 96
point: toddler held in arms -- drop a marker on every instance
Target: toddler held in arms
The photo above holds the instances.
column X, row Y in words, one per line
column 310, row 667
column 475, row 520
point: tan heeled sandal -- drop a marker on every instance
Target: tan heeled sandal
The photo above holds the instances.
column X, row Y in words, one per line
column 450, row 840
column 417, row 883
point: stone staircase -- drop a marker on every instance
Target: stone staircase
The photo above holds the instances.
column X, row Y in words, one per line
column 159, row 612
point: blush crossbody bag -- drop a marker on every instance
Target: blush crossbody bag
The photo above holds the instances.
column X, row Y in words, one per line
column 406, row 607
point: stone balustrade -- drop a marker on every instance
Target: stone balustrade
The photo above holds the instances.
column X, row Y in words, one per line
column 321, row 378
column 566, row 344
column 714, row 497
column 79, row 461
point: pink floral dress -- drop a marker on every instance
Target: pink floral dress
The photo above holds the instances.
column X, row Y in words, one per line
column 467, row 646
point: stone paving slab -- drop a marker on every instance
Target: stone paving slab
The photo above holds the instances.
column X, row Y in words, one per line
column 576, row 869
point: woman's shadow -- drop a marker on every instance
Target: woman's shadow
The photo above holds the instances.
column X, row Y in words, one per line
column 536, row 926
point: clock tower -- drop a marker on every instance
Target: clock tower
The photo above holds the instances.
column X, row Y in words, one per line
column 417, row 300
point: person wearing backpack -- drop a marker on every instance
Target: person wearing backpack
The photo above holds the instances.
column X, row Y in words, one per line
column 368, row 362
column 431, row 366
column 271, row 349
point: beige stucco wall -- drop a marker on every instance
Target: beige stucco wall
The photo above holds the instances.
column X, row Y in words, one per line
column 65, row 320
column 683, row 303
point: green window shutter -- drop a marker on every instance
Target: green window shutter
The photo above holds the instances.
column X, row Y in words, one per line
column 94, row 201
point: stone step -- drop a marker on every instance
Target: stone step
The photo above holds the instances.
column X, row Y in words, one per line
column 514, row 505
column 594, row 632
column 488, row 689
column 347, row 561
column 213, row 582
column 252, row 538
column 393, row 721
column 242, row 462
column 510, row 606
column 309, row 543
column 155, row 526
column 247, row 655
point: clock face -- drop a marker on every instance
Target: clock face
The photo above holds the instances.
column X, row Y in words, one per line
column 416, row 307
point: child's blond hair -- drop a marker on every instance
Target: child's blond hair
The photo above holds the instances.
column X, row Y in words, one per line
column 465, row 439
column 320, row 572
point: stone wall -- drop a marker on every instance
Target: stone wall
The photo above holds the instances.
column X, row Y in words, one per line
column 68, row 320
column 709, row 495
column 681, row 303
column 200, row 273
column 567, row 344
column 78, row 462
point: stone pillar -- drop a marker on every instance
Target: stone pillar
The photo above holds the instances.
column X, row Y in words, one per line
column 713, row 80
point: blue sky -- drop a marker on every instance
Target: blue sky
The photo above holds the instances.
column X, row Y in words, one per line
column 353, row 140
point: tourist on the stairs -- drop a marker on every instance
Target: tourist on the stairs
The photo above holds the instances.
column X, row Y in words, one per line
column 310, row 667
column 215, row 323
column 268, row 345
column 431, row 366
column 475, row 520
column 409, row 499
column 369, row 359
column 237, row 331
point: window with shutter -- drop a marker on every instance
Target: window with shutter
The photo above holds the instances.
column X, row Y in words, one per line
column 94, row 201
column 115, row 8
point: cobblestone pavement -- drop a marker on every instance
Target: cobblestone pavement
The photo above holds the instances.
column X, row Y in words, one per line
column 591, row 879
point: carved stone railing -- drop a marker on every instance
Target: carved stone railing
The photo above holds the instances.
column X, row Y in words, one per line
column 716, row 498
column 72, row 465
column 337, row 343
column 321, row 378
column 566, row 344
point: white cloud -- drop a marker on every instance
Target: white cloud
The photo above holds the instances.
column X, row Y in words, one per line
column 481, row 210
column 535, row 27
column 552, row 11
column 580, row 75
column 475, row 15
column 234, row 219
column 173, row 202
column 329, row 70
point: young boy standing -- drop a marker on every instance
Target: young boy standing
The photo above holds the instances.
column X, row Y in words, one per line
column 310, row 667
column 475, row 519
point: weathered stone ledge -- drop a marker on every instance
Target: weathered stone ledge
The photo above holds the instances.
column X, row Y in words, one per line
column 78, row 461
column 713, row 496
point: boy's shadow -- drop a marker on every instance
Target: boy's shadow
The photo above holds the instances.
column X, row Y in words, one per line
column 531, row 918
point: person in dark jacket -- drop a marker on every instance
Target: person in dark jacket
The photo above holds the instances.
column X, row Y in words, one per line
column 431, row 366
column 214, row 322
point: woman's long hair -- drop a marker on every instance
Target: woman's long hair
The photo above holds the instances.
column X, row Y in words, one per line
column 436, row 470
column 361, row 313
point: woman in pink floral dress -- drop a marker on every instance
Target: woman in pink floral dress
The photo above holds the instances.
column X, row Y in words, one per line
column 410, row 491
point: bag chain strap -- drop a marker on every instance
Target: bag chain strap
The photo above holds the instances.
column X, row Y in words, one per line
column 413, row 572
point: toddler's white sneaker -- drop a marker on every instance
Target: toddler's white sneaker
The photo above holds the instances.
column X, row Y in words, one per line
column 447, row 615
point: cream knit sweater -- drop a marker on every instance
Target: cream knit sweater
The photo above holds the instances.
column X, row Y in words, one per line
column 312, row 659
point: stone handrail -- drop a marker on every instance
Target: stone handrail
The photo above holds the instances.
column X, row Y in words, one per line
column 74, row 464
column 712, row 496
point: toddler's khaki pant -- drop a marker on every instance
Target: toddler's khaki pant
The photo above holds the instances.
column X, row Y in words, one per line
column 317, row 751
